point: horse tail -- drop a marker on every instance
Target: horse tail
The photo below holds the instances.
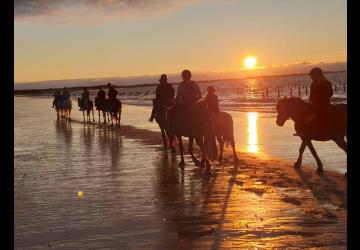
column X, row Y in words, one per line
column 210, row 140
column 229, row 129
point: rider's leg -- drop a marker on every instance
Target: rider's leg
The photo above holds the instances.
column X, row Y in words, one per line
column 151, row 119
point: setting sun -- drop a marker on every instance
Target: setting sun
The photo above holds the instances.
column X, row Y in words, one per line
column 250, row 62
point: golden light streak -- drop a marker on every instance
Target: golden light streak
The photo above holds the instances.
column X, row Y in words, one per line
column 252, row 135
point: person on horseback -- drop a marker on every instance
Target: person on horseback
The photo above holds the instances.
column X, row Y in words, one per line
column 112, row 92
column 85, row 97
column 320, row 94
column 66, row 94
column 56, row 97
column 165, row 94
column 101, row 94
column 212, row 100
column 188, row 92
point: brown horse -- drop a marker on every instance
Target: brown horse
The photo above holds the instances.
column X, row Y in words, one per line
column 167, row 133
column 102, row 106
column 322, row 128
column 225, row 133
column 195, row 123
column 114, row 109
column 87, row 106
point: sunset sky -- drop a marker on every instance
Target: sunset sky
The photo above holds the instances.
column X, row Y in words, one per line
column 118, row 38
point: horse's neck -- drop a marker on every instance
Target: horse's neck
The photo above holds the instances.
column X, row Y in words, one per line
column 299, row 111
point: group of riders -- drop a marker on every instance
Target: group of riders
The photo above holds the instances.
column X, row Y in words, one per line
column 188, row 93
column 184, row 113
column 110, row 107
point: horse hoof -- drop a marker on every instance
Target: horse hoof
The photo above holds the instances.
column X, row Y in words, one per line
column 181, row 164
column 202, row 164
column 173, row 150
column 320, row 171
column 197, row 163
column 297, row 165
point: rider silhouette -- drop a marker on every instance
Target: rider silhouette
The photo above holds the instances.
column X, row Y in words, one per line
column 320, row 94
column 56, row 97
column 165, row 94
column 66, row 94
column 188, row 92
column 101, row 94
column 112, row 92
column 212, row 100
column 85, row 96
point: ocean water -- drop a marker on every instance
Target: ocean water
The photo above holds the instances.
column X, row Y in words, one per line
column 134, row 195
column 254, row 121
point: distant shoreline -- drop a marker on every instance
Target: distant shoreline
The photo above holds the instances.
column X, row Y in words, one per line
column 78, row 88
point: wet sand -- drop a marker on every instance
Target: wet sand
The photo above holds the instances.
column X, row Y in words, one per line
column 136, row 197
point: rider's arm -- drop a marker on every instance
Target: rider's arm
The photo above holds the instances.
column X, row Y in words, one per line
column 178, row 92
column 330, row 90
column 198, row 92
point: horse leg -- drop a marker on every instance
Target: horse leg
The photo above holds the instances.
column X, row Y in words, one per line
column 318, row 161
column 163, row 137
column 83, row 115
column 181, row 148
column 92, row 110
column 191, row 151
column 236, row 159
column 221, row 142
column 171, row 137
column 342, row 144
column 301, row 151
column 204, row 162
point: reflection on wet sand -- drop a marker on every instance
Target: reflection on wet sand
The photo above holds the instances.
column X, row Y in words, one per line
column 136, row 197
column 252, row 133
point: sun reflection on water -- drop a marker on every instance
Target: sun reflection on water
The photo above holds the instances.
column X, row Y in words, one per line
column 252, row 135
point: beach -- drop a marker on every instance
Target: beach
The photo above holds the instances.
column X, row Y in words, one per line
column 91, row 186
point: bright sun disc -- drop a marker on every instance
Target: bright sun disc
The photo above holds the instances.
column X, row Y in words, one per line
column 250, row 62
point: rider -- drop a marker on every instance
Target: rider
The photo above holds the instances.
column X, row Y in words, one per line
column 212, row 100
column 165, row 94
column 112, row 92
column 56, row 97
column 188, row 92
column 66, row 94
column 320, row 93
column 101, row 94
column 85, row 96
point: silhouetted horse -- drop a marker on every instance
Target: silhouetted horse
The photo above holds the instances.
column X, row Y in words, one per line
column 166, row 131
column 114, row 106
column 102, row 106
column 225, row 133
column 195, row 123
column 322, row 128
column 87, row 106
column 63, row 107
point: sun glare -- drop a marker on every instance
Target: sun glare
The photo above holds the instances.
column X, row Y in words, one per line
column 252, row 135
column 250, row 62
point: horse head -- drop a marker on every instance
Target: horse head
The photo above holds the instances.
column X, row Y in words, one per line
column 283, row 111
column 290, row 108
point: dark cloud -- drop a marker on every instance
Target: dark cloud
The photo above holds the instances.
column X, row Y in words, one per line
column 49, row 7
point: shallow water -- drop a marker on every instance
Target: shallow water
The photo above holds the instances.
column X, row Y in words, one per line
column 135, row 196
